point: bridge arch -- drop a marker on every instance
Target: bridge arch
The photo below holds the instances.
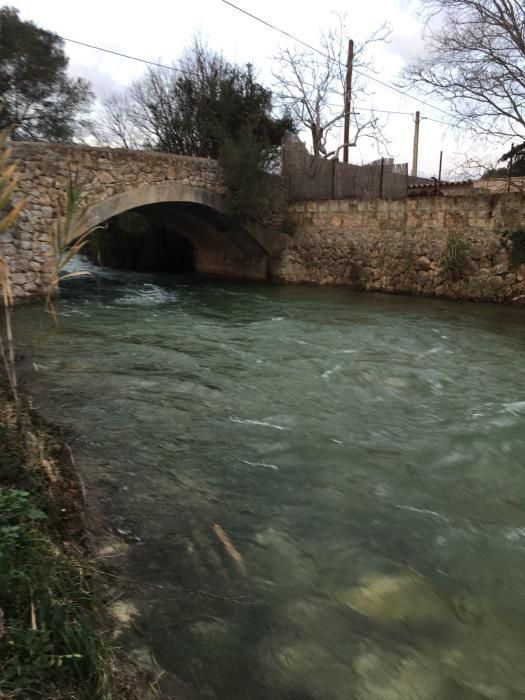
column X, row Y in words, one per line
column 186, row 193
column 221, row 246
column 163, row 193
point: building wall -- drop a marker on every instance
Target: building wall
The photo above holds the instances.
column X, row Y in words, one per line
column 501, row 184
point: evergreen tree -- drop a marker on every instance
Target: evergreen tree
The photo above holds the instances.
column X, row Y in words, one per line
column 193, row 109
column 37, row 97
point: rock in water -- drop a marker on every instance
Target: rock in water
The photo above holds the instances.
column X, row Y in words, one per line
column 403, row 597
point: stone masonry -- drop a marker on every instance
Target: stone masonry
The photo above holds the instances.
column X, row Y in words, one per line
column 100, row 173
column 399, row 246
column 391, row 246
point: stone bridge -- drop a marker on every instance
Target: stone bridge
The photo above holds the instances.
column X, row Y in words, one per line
column 186, row 195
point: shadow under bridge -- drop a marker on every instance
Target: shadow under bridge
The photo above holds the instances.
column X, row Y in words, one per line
column 188, row 229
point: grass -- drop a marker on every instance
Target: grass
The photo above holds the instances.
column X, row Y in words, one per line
column 68, row 235
column 9, row 178
column 454, row 259
column 50, row 640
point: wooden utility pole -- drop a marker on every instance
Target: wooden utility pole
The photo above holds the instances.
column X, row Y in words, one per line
column 416, row 146
column 348, row 99
column 511, row 163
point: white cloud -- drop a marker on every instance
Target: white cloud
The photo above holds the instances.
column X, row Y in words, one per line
column 159, row 30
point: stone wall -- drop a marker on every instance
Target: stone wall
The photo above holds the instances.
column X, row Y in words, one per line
column 100, row 174
column 391, row 246
column 399, row 246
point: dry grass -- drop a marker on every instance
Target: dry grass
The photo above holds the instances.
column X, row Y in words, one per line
column 8, row 181
column 68, row 235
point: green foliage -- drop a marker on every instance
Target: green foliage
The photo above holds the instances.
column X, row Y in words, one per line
column 495, row 172
column 515, row 159
column 12, row 470
column 49, row 644
column 454, row 259
column 195, row 110
column 518, row 246
column 218, row 106
column 247, row 162
column 40, row 101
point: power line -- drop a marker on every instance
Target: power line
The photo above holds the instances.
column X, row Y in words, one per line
column 125, row 55
column 185, row 72
column 324, row 55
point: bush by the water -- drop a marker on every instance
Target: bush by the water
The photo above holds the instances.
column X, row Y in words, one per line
column 50, row 645
column 518, row 246
column 454, row 259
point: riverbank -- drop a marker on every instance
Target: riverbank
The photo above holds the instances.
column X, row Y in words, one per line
column 56, row 639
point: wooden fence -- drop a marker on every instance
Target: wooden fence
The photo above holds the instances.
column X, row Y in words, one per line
column 317, row 178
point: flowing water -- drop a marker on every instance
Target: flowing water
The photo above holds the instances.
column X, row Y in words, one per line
column 322, row 492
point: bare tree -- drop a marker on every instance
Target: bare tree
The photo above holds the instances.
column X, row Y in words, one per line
column 115, row 124
column 193, row 108
column 310, row 85
column 159, row 109
column 474, row 61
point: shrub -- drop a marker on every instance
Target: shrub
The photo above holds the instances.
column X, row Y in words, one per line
column 247, row 163
column 454, row 259
column 49, row 640
column 518, row 246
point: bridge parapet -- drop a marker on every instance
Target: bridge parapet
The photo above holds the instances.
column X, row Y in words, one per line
column 103, row 175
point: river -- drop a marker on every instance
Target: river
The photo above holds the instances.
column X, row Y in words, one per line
column 322, row 492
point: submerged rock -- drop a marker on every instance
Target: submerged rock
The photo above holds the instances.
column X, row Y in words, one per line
column 403, row 597
column 211, row 633
column 124, row 613
column 310, row 668
column 388, row 676
column 279, row 560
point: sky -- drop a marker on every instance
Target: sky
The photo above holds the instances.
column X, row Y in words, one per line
column 159, row 31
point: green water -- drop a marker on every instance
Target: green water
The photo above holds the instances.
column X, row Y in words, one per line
column 363, row 454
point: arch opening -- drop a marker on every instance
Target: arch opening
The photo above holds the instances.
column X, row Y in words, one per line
column 138, row 242
column 188, row 229
column 181, row 237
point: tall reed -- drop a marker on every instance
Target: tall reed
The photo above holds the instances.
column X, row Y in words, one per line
column 9, row 177
column 69, row 234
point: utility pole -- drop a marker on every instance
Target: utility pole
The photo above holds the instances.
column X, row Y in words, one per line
column 348, row 99
column 416, row 146
column 511, row 163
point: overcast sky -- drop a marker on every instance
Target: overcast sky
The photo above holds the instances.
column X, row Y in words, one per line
column 159, row 30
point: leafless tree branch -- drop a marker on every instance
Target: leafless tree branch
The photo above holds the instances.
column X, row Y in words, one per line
column 310, row 85
column 474, row 62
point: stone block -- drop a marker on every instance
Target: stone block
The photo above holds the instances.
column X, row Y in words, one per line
column 105, row 176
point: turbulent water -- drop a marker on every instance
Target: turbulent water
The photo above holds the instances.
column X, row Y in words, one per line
column 322, row 492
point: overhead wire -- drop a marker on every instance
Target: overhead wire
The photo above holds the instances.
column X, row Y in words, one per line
column 330, row 58
column 165, row 66
column 123, row 55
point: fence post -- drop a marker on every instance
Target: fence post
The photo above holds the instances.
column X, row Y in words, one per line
column 381, row 178
column 333, row 179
